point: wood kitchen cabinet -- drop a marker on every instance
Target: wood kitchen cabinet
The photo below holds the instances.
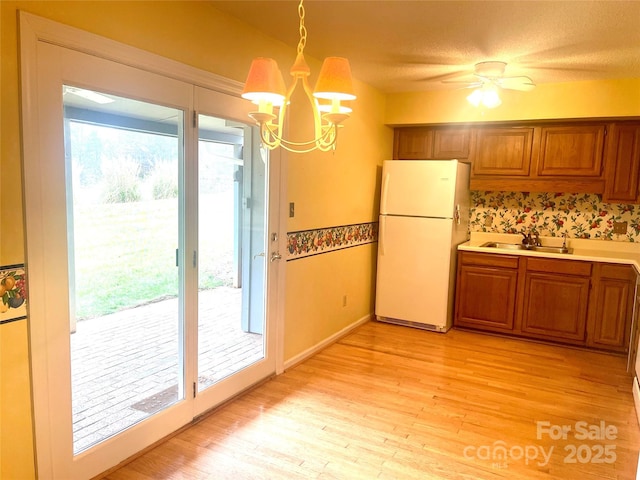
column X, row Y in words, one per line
column 566, row 156
column 571, row 151
column 622, row 160
column 501, row 151
column 561, row 157
column 487, row 291
column 555, row 298
column 431, row 143
column 574, row 302
column 611, row 307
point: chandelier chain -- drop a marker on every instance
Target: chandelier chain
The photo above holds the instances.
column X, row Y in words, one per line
column 303, row 29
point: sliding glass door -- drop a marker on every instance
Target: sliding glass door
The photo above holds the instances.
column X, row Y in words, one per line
column 148, row 235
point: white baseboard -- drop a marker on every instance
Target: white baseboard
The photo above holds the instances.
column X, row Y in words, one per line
column 310, row 352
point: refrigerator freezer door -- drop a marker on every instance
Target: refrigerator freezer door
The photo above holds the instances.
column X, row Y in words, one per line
column 414, row 270
column 419, row 188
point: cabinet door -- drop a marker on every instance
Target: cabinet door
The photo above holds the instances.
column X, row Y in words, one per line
column 502, row 151
column 450, row 143
column 622, row 164
column 611, row 307
column 486, row 297
column 571, row 151
column 412, row 143
column 555, row 306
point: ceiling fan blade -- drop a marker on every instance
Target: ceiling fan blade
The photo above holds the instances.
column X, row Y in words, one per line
column 523, row 84
column 443, row 76
column 463, row 82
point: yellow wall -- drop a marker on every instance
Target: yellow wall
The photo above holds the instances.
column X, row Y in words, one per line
column 329, row 189
column 604, row 98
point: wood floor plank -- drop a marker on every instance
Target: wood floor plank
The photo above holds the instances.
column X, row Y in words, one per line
column 391, row 402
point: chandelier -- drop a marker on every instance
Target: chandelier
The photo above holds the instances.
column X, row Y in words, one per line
column 265, row 87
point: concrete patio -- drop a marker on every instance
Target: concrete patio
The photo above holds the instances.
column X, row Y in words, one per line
column 125, row 365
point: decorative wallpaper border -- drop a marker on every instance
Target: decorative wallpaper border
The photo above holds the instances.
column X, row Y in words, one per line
column 552, row 215
column 13, row 293
column 306, row 243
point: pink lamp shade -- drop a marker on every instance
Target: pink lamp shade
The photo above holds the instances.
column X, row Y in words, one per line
column 334, row 81
column 264, row 82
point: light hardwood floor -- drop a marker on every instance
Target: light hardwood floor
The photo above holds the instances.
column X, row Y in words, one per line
column 398, row 403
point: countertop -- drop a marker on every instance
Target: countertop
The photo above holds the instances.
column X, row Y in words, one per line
column 586, row 250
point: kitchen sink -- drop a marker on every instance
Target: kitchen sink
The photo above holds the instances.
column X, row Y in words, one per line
column 534, row 248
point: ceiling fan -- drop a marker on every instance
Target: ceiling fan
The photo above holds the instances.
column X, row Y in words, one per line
column 490, row 78
column 492, row 73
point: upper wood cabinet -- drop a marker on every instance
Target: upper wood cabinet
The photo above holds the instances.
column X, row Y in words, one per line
column 412, row 143
column 622, row 160
column 450, row 143
column 431, row 143
column 501, row 151
column 569, row 151
column 539, row 158
column 568, row 156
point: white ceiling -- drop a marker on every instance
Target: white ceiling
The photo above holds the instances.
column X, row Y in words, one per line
column 404, row 46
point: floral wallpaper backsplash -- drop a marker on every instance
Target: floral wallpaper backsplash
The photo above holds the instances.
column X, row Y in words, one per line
column 323, row 240
column 552, row 215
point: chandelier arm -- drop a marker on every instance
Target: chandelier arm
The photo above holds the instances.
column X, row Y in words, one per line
column 271, row 139
column 268, row 130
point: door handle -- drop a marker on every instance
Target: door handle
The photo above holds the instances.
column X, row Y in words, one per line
column 275, row 256
column 258, row 255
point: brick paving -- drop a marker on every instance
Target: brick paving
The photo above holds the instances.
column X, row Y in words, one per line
column 125, row 366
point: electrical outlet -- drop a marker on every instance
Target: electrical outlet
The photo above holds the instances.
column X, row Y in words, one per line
column 292, row 209
column 488, row 221
column 620, row 228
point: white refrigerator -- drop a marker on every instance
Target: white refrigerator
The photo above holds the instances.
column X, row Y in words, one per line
column 424, row 216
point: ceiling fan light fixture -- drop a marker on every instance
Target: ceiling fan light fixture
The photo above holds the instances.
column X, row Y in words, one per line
column 475, row 97
column 487, row 96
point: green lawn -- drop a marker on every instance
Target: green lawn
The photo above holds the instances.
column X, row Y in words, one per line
column 125, row 255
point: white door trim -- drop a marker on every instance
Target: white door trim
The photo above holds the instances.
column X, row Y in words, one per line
column 34, row 28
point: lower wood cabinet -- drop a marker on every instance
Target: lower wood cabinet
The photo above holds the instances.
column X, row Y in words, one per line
column 555, row 298
column 481, row 285
column 611, row 307
column 567, row 301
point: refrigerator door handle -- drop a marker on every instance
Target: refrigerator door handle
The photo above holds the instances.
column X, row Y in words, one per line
column 383, row 222
column 383, row 196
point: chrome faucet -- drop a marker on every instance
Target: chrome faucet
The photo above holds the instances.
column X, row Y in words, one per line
column 536, row 240
column 529, row 240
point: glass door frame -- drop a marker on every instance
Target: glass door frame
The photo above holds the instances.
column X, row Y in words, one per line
column 39, row 145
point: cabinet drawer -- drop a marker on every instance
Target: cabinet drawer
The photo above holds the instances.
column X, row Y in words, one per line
column 489, row 259
column 551, row 265
column 619, row 272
